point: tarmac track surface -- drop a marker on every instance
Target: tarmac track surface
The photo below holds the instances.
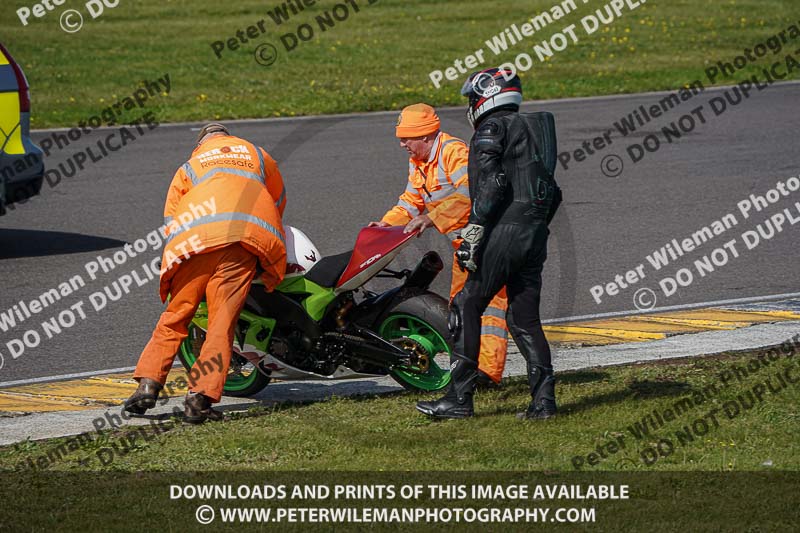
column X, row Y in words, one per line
column 343, row 171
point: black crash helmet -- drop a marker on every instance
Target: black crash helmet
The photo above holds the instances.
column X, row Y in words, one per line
column 490, row 90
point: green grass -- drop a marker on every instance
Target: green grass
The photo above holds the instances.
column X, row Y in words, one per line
column 377, row 59
column 740, row 476
column 387, row 433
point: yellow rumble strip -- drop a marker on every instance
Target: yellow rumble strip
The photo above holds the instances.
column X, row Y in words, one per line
column 109, row 390
column 77, row 394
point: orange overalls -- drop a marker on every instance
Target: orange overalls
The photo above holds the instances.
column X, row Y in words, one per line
column 440, row 184
column 222, row 217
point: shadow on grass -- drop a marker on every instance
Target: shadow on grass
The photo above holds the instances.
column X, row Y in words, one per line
column 635, row 390
column 644, row 389
column 309, row 394
column 576, row 378
column 291, row 395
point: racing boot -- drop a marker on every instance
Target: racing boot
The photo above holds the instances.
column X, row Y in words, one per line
column 457, row 402
column 198, row 409
column 543, row 394
column 534, row 347
column 144, row 397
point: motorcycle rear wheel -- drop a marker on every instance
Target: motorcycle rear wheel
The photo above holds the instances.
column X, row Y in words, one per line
column 244, row 379
column 419, row 325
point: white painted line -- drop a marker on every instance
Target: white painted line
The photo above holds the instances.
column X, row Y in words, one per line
column 66, row 376
column 710, row 88
column 548, row 321
column 674, row 308
column 393, row 112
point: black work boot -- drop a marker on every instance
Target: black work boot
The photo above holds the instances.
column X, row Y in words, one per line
column 198, row 409
column 457, row 402
column 484, row 382
column 543, row 394
column 144, row 397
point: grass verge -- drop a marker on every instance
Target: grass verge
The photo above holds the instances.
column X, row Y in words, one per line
column 732, row 412
column 740, row 474
column 377, row 58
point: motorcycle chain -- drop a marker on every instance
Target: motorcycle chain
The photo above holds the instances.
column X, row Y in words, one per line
column 343, row 336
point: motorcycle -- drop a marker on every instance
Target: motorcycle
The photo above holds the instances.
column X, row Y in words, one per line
column 322, row 322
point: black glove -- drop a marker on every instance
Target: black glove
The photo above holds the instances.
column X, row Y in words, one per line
column 466, row 255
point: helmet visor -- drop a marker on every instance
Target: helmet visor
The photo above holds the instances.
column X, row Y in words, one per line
column 467, row 88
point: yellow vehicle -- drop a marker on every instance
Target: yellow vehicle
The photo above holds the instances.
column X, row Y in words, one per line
column 21, row 161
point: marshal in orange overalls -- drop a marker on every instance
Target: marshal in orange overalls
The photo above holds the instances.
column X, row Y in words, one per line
column 223, row 216
column 441, row 186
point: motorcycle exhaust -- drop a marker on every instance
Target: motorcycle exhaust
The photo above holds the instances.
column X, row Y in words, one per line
column 426, row 271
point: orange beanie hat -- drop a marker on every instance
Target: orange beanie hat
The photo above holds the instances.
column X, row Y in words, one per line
column 417, row 120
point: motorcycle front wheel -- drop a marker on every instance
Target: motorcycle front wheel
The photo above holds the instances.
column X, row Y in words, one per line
column 419, row 326
column 244, row 378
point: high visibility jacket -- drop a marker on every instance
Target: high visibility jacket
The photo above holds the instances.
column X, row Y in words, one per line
column 229, row 191
column 10, row 130
column 438, row 184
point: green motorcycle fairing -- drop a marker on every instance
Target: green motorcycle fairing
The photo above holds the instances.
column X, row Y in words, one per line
column 318, row 297
column 314, row 304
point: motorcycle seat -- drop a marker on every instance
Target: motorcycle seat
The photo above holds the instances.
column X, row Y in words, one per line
column 327, row 271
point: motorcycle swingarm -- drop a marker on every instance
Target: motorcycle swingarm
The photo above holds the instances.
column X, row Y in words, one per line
column 382, row 353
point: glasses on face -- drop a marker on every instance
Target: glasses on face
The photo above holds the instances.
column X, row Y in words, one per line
column 405, row 140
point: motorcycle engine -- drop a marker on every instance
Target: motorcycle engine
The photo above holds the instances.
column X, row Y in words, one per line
column 297, row 350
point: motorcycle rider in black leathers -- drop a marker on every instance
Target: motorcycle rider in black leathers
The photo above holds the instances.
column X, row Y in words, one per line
column 514, row 197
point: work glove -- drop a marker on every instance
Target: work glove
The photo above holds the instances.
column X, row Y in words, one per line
column 466, row 255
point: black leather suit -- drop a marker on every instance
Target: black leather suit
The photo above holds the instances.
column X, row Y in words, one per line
column 514, row 196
